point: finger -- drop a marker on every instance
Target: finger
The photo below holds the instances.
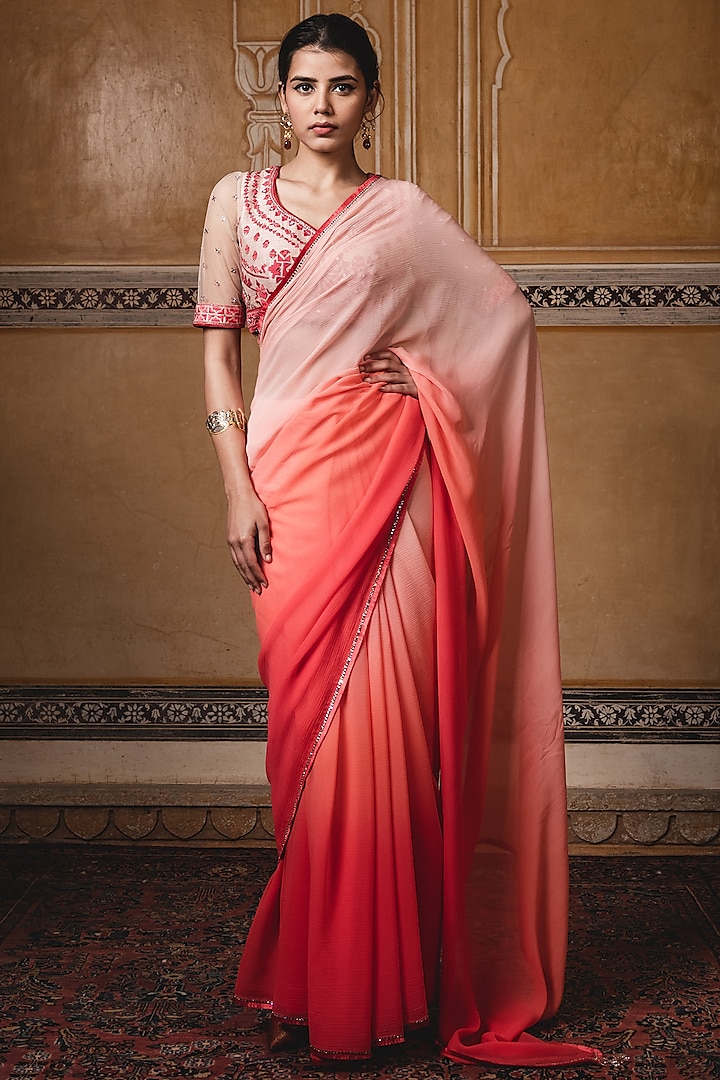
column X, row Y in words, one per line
column 244, row 555
column 397, row 388
column 387, row 371
column 253, row 567
column 264, row 544
column 381, row 353
column 386, row 374
column 390, row 375
column 391, row 380
column 372, row 375
column 381, row 363
column 401, row 383
column 238, row 559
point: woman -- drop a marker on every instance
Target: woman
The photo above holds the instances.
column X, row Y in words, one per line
column 388, row 507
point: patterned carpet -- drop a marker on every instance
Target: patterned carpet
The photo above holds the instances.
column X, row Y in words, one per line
column 120, row 963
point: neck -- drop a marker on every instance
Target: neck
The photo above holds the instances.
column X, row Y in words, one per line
column 323, row 170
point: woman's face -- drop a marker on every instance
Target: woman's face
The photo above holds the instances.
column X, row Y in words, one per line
column 326, row 99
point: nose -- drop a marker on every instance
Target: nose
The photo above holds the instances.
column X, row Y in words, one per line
column 322, row 102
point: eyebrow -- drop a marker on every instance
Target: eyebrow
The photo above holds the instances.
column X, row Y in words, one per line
column 336, row 79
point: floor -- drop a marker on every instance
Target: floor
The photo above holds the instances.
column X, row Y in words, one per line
column 119, row 962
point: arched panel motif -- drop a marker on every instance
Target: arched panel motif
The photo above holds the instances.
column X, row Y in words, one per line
column 393, row 148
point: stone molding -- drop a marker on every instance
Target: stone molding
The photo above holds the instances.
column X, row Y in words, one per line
column 195, row 815
column 562, row 294
column 665, row 822
column 239, row 713
column 644, row 819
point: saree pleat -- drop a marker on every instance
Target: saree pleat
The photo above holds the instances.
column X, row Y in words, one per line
column 357, row 895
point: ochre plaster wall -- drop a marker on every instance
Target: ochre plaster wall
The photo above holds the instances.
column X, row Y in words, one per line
column 119, row 118
column 608, row 125
column 115, row 567
column 634, row 432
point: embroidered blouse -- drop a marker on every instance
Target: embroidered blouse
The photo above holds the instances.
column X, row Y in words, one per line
column 250, row 242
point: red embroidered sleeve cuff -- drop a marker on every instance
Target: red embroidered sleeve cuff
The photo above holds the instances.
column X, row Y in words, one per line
column 229, row 317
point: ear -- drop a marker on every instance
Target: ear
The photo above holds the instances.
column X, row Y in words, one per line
column 372, row 98
column 281, row 95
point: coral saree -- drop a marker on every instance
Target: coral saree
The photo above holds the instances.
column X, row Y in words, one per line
column 409, row 644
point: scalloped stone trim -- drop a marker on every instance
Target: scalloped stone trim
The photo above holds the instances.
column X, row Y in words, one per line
column 609, row 820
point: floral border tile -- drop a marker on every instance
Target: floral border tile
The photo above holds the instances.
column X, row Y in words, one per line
column 161, row 712
column 87, row 299
column 644, row 715
column 135, row 712
column 560, row 294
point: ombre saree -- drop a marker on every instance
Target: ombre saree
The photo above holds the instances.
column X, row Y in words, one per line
column 409, row 644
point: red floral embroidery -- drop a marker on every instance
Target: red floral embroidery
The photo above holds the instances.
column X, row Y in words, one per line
column 219, row 315
column 282, row 265
column 263, row 221
column 268, row 240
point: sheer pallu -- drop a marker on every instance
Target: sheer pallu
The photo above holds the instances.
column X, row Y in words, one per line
column 409, row 644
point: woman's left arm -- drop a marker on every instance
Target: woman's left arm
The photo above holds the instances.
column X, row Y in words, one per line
column 387, row 371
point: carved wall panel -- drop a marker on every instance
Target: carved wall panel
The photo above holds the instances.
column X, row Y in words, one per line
column 256, row 77
column 601, row 129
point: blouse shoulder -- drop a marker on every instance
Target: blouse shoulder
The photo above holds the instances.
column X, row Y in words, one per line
column 245, row 188
column 228, row 186
column 254, row 176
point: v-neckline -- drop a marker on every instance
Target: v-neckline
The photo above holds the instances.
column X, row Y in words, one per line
column 316, row 234
column 370, row 178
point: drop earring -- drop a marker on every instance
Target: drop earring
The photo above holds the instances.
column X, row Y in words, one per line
column 366, row 130
column 286, row 125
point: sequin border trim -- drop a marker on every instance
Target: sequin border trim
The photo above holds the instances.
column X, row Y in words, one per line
column 356, row 642
column 340, row 1055
column 252, row 1003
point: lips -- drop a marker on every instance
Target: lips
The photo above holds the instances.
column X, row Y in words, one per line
column 323, row 128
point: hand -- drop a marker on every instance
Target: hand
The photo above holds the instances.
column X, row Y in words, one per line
column 248, row 537
column 388, row 372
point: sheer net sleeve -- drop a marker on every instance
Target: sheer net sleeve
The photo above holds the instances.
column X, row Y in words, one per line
column 219, row 299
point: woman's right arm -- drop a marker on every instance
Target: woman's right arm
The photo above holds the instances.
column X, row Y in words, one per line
column 248, row 528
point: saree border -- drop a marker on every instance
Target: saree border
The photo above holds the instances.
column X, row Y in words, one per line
column 250, row 1004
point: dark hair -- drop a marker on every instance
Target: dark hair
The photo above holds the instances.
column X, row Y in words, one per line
column 330, row 33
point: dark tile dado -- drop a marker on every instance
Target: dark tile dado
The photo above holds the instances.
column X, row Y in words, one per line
column 228, row 712
column 560, row 294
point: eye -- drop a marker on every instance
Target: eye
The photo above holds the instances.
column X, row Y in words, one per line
column 344, row 88
column 303, row 88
